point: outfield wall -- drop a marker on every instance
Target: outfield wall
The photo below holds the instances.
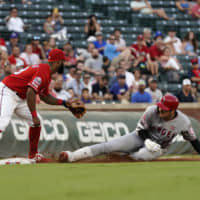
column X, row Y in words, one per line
column 61, row 131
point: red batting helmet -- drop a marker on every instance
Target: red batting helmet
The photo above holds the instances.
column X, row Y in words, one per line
column 168, row 102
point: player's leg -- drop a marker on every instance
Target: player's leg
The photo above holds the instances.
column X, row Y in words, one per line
column 8, row 104
column 126, row 144
column 144, row 154
column 23, row 112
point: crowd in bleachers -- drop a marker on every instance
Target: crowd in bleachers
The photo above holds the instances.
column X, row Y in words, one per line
column 108, row 69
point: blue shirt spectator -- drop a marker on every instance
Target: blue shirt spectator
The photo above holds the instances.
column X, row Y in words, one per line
column 141, row 96
column 99, row 43
column 119, row 89
column 110, row 50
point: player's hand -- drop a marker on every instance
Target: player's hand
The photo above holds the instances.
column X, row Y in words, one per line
column 152, row 146
column 36, row 122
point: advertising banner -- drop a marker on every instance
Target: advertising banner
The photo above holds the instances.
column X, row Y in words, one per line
column 61, row 131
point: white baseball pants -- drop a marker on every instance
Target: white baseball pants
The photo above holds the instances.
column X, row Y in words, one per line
column 11, row 103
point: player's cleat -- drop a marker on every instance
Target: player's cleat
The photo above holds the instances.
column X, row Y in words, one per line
column 39, row 158
column 65, row 156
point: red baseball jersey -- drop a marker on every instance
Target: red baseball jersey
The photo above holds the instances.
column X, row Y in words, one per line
column 37, row 77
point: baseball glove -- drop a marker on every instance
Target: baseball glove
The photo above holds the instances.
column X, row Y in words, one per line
column 77, row 107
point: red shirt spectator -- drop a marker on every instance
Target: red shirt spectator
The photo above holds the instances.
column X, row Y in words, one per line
column 139, row 49
column 155, row 52
column 195, row 10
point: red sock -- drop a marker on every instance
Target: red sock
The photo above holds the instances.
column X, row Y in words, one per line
column 34, row 136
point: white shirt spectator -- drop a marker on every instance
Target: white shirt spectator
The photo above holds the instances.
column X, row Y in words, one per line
column 15, row 24
column 171, row 63
column 62, row 94
column 129, row 78
column 177, row 45
column 77, row 87
column 94, row 63
column 31, row 59
column 120, row 43
column 155, row 95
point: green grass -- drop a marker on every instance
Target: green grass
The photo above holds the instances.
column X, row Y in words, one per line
column 134, row 181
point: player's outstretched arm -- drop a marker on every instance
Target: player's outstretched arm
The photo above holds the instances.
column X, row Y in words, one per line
column 76, row 106
column 196, row 145
column 49, row 99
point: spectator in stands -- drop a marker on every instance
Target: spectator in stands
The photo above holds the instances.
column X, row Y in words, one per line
column 194, row 74
column 144, row 7
column 30, row 57
column 147, row 37
column 94, row 63
column 119, row 89
column 14, row 41
column 99, row 43
column 92, row 26
column 60, row 32
column 87, row 82
column 48, row 25
column 14, row 22
column 85, row 96
column 110, row 50
column 70, row 75
column 183, row 6
column 76, row 83
column 141, row 55
column 58, row 89
column 128, row 75
column 137, row 77
column 173, row 42
column 170, row 65
column 2, row 2
column 141, row 96
column 195, row 10
column 37, row 48
column 7, row 70
column 16, row 60
column 119, row 41
column 185, row 95
column 153, row 90
column 86, row 53
column 156, row 51
column 190, row 44
column 70, row 54
column 52, row 43
column 113, row 79
column 100, row 91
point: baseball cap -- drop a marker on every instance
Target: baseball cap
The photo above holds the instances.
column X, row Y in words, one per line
column 56, row 55
column 98, row 33
column 14, row 35
column 142, row 82
column 194, row 60
column 140, row 37
column 157, row 34
column 186, row 82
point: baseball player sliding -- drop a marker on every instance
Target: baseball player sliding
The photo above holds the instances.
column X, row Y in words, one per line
column 155, row 130
column 18, row 94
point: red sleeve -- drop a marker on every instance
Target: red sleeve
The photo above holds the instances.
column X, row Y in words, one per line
column 153, row 53
column 39, row 82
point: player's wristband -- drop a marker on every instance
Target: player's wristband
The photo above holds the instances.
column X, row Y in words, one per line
column 34, row 114
column 62, row 102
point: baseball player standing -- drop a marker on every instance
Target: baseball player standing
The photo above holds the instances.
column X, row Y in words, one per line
column 18, row 94
column 155, row 130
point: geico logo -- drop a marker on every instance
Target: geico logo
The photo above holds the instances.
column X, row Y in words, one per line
column 54, row 129
column 100, row 131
